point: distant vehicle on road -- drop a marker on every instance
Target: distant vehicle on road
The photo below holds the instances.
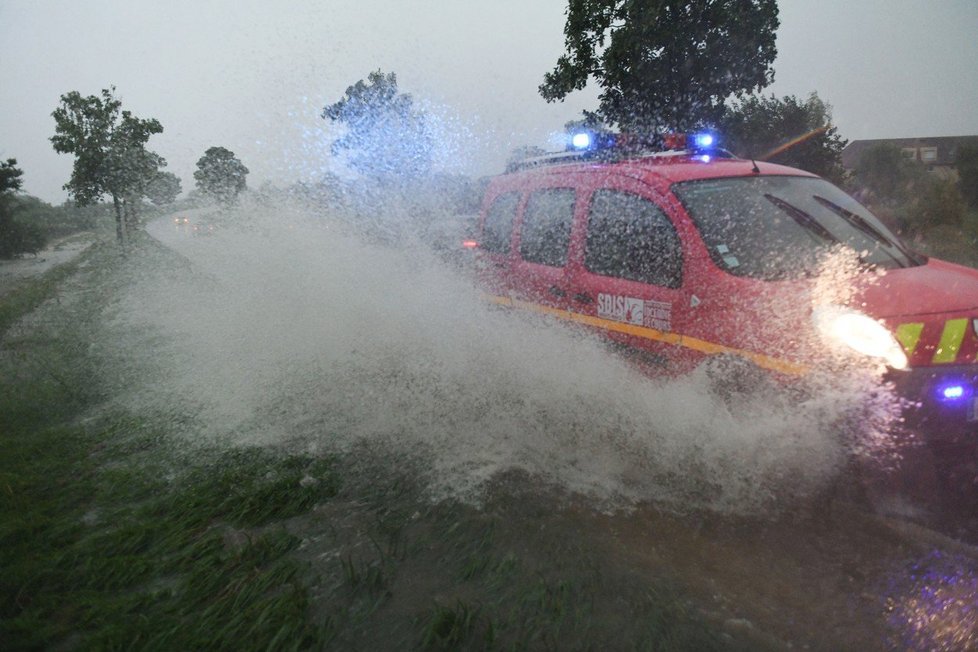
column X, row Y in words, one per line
column 203, row 229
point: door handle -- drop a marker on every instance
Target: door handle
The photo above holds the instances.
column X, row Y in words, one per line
column 557, row 292
column 583, row 297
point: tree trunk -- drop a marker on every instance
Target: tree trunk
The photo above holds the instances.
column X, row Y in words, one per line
column 132, row 215
column 120, row 227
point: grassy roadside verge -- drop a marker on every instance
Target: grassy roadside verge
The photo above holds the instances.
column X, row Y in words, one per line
column 29, row 295
column 108, row 541
column 115, row 536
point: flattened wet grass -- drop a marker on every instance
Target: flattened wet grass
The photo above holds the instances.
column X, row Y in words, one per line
column 115, row 557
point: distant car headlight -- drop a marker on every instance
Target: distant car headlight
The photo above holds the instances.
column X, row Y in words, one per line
column 860, row 333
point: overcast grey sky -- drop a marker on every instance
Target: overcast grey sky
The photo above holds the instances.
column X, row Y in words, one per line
column 253, row 75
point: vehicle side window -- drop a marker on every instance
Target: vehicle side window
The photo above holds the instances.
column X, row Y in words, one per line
column 547, row 226
column 629, row 237
column 498, row 229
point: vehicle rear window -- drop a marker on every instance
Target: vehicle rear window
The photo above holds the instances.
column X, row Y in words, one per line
column 783, row 227
column 547, row 226
column 629, row 237
column 498, row 228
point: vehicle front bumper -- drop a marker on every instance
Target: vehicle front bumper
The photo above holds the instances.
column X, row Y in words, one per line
column 943, row 402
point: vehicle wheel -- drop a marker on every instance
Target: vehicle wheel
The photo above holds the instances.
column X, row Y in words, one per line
column 736, row 381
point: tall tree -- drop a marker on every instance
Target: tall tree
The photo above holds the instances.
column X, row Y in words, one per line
column 133, row 167
column 221, row 175
column 665, row 64
column 109, row 148
column 386, row 138
column 788, row 131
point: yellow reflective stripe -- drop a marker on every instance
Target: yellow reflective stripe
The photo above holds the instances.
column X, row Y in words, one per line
column 760, row 359
column 951, row 338
column 908, row 335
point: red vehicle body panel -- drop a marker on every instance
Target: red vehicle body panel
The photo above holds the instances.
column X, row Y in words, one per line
column 732, row 314
column 933, row 296
column 930, row 306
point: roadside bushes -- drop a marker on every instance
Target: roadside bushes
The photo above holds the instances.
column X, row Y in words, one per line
column 938, row 202
column 927, row 208
column 19, row 238
column 27, row 224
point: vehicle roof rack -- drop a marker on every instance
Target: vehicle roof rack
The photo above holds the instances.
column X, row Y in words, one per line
column 554, row 158
column 610, row 155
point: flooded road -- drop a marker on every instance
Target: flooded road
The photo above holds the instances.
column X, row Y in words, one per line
column 287, row 330
column 845, row 580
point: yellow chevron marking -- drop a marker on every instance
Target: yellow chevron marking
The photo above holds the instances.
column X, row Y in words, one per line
column 951, row 338
column 760, row 359
column 908, row 335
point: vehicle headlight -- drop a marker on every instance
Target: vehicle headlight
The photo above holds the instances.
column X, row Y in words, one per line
column 860, row 333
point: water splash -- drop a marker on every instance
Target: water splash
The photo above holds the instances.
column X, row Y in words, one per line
column 288, row 327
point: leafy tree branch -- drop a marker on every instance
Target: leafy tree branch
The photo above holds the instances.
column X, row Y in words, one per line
column 665, row 64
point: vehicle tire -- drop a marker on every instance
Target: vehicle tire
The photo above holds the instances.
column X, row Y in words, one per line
column 736, row 381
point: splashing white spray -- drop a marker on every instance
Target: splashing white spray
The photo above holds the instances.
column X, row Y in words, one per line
column 288, row 329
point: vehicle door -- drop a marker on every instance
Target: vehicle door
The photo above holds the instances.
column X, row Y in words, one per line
column 496, row 252
column 627, row 272
column 542, row 239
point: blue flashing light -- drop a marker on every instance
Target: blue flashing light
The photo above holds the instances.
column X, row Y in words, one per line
column 581, row 140
column 951, row 392
column 703, row 141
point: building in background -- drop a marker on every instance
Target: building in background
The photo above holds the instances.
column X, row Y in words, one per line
column 937, row 153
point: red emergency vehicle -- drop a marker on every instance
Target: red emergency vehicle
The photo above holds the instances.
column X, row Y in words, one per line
column 689, row 254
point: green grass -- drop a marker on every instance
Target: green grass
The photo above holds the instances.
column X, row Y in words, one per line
column 28, row 295
column 105, row 552
column 116, row 533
